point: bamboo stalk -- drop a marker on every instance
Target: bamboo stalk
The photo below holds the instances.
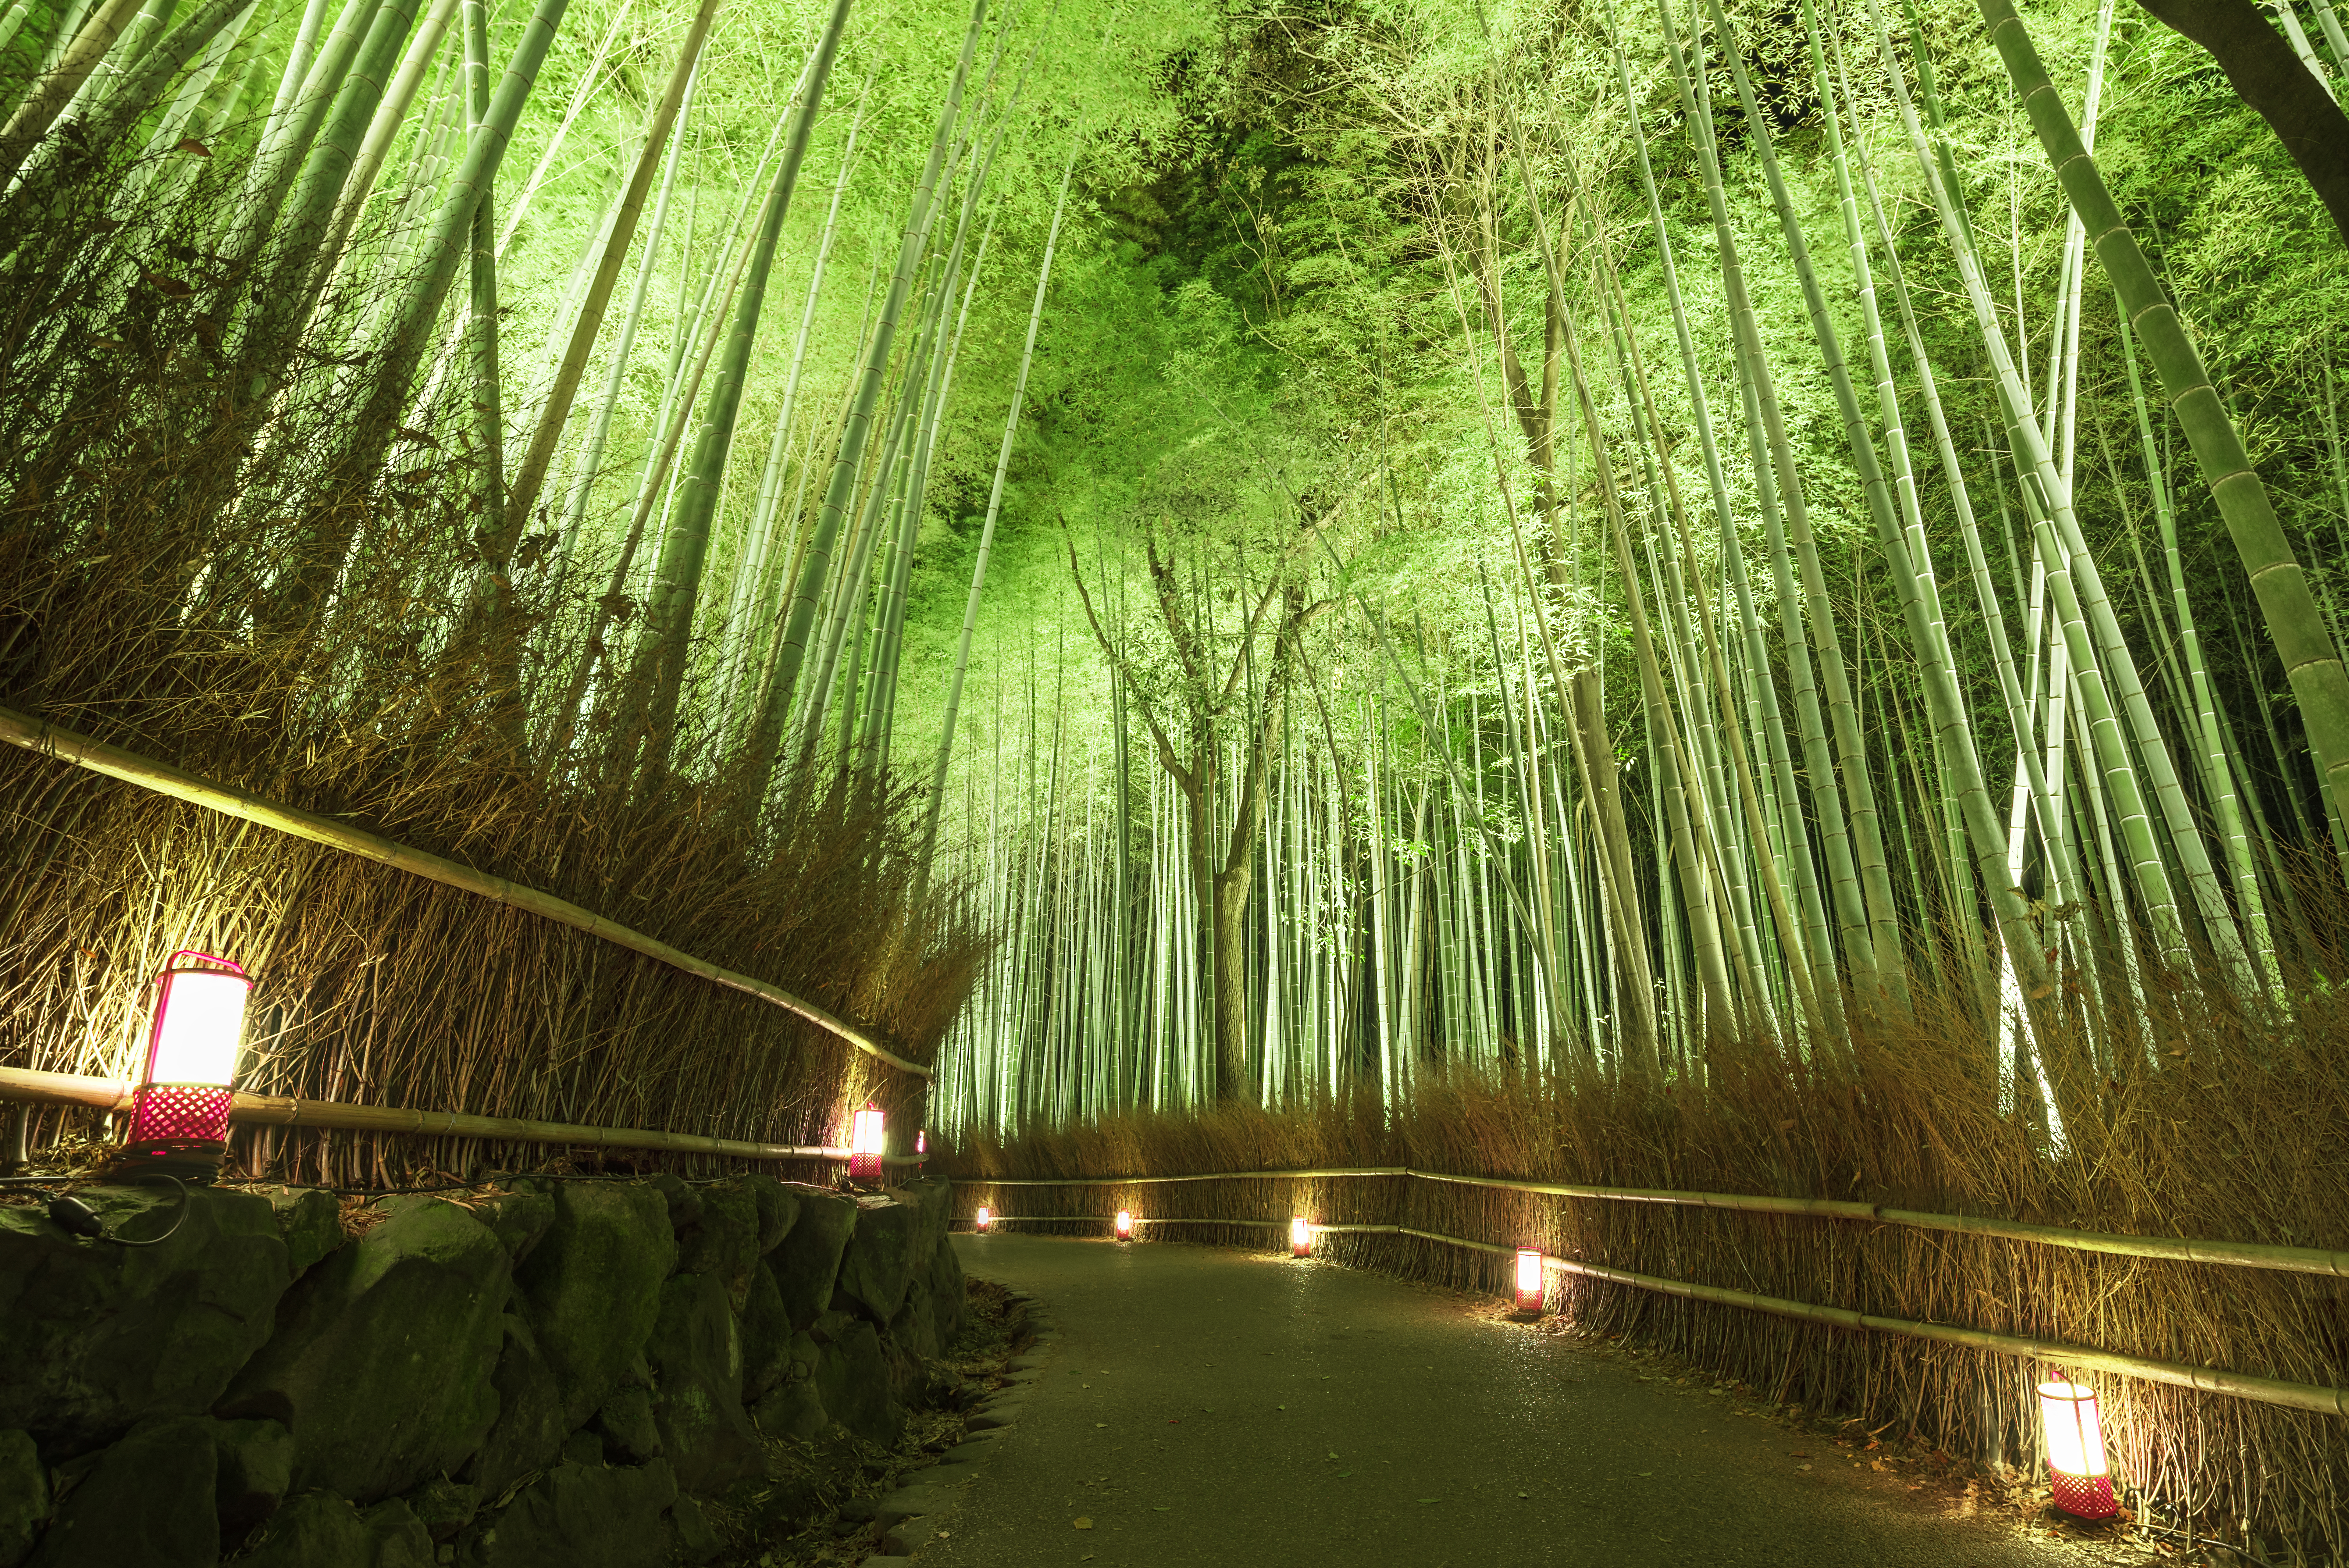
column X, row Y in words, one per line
column 2177, row 1249
column 282, row 1110
column 65, row 746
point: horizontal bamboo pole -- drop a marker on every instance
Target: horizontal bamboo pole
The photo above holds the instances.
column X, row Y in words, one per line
column 2177, row 1249
column 50, row 740
column 2208, row 1379
column 280, row 1110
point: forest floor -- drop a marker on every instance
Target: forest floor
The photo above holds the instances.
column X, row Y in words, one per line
column 1212, row 1407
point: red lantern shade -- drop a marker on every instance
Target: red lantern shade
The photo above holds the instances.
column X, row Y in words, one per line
column 2076, row 1451
column 1125, row 1226
column 183, row 1096
column 983, row 1221
column 864, row 1144
column 1529, row 1280
column 1300, row 1238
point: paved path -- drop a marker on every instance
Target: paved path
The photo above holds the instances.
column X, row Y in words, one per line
column 1217, row 1409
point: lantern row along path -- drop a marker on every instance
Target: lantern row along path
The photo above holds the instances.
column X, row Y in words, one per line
column 1202, row 1408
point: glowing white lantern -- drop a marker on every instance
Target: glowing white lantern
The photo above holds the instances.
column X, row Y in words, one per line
column 983, row 1220
column 1125, row 1226
column 2076, row 1451
column 1529, row 1280
column 179, row 1116
column 864, row 1144
column 1300, row 1238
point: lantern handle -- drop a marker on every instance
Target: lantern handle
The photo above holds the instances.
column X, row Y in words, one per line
column 231, row 965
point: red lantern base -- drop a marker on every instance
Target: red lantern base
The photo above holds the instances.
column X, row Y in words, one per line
column 1530, row 1302
column 2084, row 1496
column 865, row 1168
column 176, row 1112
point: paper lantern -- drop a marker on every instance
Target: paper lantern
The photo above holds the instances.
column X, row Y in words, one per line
column 1125, row 1226
column 2076, row 1451
column 922, row 1142
column 983, row 1220
column 179, row 1114
column 1529, row 1280
column 1300, row 1238
column 864, row 1144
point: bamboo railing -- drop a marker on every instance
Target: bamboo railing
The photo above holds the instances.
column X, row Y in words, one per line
column 67, row 745
column 2177, row 1249
column 2209, row 1379
column 280, row 1110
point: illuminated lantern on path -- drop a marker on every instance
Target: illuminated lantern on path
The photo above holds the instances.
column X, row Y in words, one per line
column 1529, row 1280
column 864, row 1145
column 980, row 1224
column 2076, row 1451
column 1300, row 1238
column 1125, row 1226
column 178, row 1120
column 922, row 1142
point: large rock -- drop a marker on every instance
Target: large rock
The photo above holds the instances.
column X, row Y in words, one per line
column 879, row 1262
column 148, row 1501
column 852, row 1378
column 807, row 1263
column 319, row 1530
column 950, row 1292
column 722, row 1241
column 381, row 1364
column 97, row 1336
column 310, row 1220
column 579, row 1517
column 779, row 1208
column 697, row 1364
column 793, row 1410
column 524, row 1218
column 592, row 1285
column 766, row 1330
column 252, row 1469
column 915, row 1329
column 626, row 1426
column 529, row 1426
column 24, row 1497
column 932, row 1200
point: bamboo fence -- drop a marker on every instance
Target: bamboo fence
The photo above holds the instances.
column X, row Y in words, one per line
column 23, row 1086
column 115, row 762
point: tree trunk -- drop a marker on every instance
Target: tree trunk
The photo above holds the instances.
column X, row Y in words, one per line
column 2265, row 74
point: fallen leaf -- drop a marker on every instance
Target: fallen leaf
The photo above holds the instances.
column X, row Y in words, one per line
column 1523, row 1494
column 1099, row 1425
column 1645, row 1474
column 1084, row 1524
column 1280, row 1406
column 1802, row 1453
column 1431, row 1499
column 1160, row 1507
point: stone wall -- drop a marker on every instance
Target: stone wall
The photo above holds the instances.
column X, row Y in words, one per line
column 554, row 1376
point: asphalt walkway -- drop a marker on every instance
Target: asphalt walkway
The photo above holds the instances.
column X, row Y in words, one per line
column 1206, row 1407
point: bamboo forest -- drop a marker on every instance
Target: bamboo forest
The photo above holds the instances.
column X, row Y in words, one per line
column 1656, row 594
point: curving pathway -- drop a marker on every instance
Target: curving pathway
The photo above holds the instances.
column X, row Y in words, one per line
column 1194, row 1406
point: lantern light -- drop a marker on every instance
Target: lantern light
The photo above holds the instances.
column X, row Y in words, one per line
column 1300, row 1238
column 864, row 1145
column 980, row 1224
column 1529, row 1280
column 1125, row 1226
column 178, row 1120
column 922, row 1142
column 2075, row 1450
